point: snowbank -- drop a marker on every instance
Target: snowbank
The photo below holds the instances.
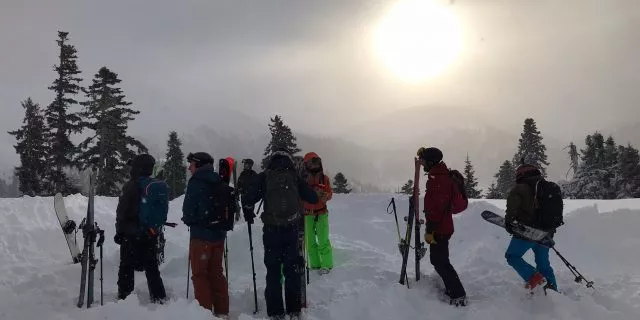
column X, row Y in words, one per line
column 601, row 238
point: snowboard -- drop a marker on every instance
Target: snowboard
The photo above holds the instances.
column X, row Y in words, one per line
column 533, row 234
column 68, row 227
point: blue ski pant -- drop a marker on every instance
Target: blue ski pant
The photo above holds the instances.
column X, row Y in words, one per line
column 517, row 249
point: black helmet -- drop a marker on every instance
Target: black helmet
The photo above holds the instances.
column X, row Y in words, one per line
column 247, row 161
column 430, row 155
column 200, row 158
column 142, row 165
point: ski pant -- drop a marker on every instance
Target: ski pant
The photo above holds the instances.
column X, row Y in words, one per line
column 281, row 254
column 209, row 284
column 439, row 256
column 140, row 251
column 316, row 232
column 517, row 248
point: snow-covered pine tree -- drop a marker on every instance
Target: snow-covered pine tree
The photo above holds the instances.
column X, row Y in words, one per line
column 574, row 159
column 531, row 148
column 175, row 170
column 32, row 149
column 407, row 188
column 590, row 179
column 340, row 184
column 281, row 137
column 61, row 122
column 610, row 164
column 505, row 179
column 493, row 192
column 470, row 181
column 627, row 179
column 107, row 113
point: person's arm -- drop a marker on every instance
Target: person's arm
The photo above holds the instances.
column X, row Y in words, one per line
column 190, row 204
column 436, row 202
column 327, row 189
column 306, row 192
column 126, row 205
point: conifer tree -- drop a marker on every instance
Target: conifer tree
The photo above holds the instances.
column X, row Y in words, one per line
column 531, row 148
column 175, row 170
column 627, row 181
column 493, row 192
column 340, row 184
column 574, row 157
column 470, row 181
column 407, row 188
column 505, row 179
column 281, row 137
column 61, row 121
column 108, row 114
column 31, row 147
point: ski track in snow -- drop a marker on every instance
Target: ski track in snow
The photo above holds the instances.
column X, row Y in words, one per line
column 38, row 281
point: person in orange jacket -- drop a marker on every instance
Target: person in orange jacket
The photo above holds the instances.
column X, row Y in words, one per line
column 316, row 218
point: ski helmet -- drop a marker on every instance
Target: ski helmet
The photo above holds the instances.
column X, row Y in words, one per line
column 200, row 158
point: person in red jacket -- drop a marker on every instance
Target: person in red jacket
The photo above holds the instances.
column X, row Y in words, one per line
column 316, row 216
column 442, row 199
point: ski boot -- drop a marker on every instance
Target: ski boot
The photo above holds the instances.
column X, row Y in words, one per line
column 536, row 280
column 458, row 302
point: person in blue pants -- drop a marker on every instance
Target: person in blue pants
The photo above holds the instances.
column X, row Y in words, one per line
column 521, row 209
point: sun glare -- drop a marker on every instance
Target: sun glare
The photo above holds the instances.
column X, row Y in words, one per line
column 417, row 39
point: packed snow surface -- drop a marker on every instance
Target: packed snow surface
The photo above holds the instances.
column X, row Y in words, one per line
column 601, row 238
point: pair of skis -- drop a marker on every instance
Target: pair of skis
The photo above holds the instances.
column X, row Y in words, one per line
column 90, row 231
column 413, row 222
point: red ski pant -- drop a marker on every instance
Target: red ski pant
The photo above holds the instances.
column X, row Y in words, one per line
column 209, row 284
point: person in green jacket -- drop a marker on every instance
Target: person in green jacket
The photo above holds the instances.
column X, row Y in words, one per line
column 521, row 209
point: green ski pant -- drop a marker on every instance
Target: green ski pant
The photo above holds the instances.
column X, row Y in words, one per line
column 316, row 232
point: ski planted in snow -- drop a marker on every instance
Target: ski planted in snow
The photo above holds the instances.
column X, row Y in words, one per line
column 304, row 276
column 419, row 245
column 405, row 244
column 90, row 231
column 235, row 185
column 68, row 227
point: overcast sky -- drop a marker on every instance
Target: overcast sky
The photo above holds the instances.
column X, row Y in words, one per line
column 312, row 60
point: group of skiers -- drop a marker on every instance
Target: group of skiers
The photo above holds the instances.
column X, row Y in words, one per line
column 294, row 200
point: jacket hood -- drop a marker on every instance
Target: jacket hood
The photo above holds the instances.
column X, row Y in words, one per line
column 309, row 156
column 438, row 169
column 280, row 161
column 207, row 174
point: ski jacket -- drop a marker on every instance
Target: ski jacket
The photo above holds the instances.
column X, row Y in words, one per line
column 520, row 203
column 127, row 220
column 256, row 191
column 319, row 182
column 244, row 181
column 196, row 205
column 438, row 201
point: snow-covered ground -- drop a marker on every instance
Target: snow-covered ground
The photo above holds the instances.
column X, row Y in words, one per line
column 601, row 238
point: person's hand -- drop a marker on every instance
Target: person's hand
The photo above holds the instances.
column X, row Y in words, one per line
column 247, row 211
column 430, row 238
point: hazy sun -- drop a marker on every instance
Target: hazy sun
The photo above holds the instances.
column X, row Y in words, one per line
column 417, row 39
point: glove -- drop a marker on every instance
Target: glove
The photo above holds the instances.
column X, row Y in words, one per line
column 247, row 211
column 509, row 224
column 118, row 238
column 430, row 238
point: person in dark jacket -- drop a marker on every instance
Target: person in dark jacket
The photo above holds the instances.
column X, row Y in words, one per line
column 137, row 247
column 521, row 209
column 439, row 200
column 280, row 231
column 246, row 177
column 206, row 245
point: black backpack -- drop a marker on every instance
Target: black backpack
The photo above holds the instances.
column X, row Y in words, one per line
column 548, row 204
column 282, row 204
column 223, row 206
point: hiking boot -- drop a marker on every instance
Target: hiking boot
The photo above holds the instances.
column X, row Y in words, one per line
column 294, row 316
column 535, row 280
column 458, row 302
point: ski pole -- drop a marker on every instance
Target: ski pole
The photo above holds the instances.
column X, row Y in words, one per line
column 392, row 204
column 188, row 267
column 253, row 269
column 100, row 245
column 574, row 271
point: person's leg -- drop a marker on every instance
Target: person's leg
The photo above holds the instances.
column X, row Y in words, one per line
column 293, row 269
column 201, row 255
column 148, row 248
column 324, row 244
column 311, row 242
column 516, row 250
column 126, row 269
column 439, row 256
column 218, row 282
column 273, row 262
column 543, row 265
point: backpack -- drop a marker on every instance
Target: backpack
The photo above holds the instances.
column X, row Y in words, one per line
column 282, row 202
column 459, row 201
column 154, row 205
column 223, row 206
column 548, row 204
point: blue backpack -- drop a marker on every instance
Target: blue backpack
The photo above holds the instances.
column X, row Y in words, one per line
column 154, row 205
